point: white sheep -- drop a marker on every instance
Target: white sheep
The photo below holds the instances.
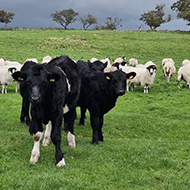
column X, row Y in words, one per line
column 107, row 59
column 93, row 60
column 6, row 77
column 32, row 59
column 110, row 68
column 145, row 65
column 47, row 59
column 133, row 62
column 166, row 60
column 168, row 70
column 18, row 66
column 183, row 74
column 185, row 62
column 144, row 76
column 120, row 60
column 13, row 64
column 2, row 62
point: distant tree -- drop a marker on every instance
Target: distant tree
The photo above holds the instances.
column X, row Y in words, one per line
column 88, row 20
column 154, row 18
column 112, row 24
column 65, row 17
column 183, row 7
column 6, row 17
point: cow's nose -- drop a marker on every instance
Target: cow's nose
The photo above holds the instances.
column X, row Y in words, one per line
column 35, row 99
column 35, row 96
column 121, row 92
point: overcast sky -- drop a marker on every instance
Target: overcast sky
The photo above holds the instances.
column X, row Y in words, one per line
column 36, row 13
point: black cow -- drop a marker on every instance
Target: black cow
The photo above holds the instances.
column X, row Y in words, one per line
column 92, row 66
column 49, row 89
column 99, row 92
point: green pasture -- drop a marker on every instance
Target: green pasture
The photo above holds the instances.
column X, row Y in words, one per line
column 146, row 136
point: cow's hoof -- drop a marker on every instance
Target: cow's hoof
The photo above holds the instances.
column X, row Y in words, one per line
column 34, row 157
column 71, row 140
column 46, row 141
column 61, row 163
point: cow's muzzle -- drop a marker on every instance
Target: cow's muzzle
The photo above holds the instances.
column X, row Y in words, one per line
column 35, row 95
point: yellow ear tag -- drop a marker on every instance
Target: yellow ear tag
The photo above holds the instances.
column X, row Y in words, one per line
column 108, row 78
column 52, row 80
column 20, row 79
column 131, row 77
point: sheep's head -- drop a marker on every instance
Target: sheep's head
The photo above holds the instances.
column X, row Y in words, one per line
column 151, row 69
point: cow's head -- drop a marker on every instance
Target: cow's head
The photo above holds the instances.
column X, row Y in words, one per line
column 118, row 80
column 36, row 80
column 97, row 65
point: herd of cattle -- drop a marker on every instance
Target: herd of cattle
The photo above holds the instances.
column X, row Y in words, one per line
column 51, row 92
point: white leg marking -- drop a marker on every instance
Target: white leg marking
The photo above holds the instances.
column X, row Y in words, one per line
column 47, row 137
column 71, row 140
column 65, row 109
column 35, row 154
column 61, row 163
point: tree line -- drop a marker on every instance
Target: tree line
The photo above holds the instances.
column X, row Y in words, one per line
column 153, row 18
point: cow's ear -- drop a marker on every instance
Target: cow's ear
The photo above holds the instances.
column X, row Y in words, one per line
column 108, row 76
column 54, row 77
column 131, row 75
column 105, row 64
column 19, row 76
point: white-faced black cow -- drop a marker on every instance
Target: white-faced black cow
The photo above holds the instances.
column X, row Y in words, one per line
column 99, row 92
column 49, row 89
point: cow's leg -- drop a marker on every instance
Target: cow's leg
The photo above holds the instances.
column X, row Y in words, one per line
column 56, row 139
column 25, row 110
column 36, row 148
column 82, row 117
column 69, row 119
column 95, row 123
column 47, row 138
column 100, row 135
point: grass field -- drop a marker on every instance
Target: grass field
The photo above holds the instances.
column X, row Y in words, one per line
column 146, row 136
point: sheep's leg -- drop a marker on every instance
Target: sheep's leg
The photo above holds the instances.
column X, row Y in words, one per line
column 132, row 85
column 178, row 84
column 127, row 86
column 16, row 88
column 47, row 136
column 35, row 154
column 6, row 86
column 3, row 87
column 146, row 89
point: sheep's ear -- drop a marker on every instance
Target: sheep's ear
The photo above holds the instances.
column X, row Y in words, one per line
column 19, row 76
column 130, row 75
column 54, row 77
